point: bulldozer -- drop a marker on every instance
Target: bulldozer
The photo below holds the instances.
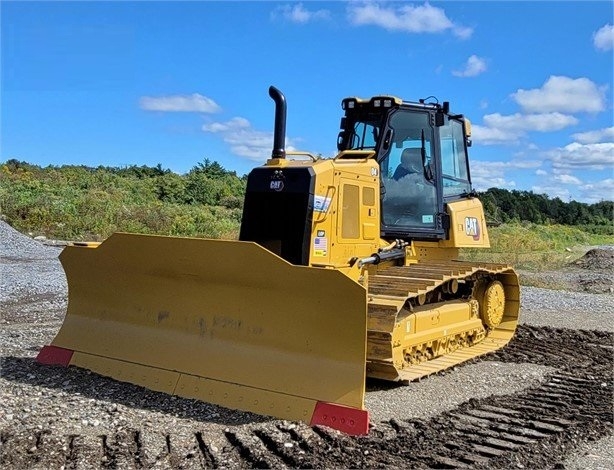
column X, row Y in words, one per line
column 345, row 268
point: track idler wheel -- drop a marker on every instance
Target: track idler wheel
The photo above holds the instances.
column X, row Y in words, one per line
column 493, row 304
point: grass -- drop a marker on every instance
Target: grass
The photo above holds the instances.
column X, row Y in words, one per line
column 76, row 203
column 536, row 247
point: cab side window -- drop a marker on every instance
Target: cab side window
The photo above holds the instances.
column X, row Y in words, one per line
column 364, row 136
column 454, row 164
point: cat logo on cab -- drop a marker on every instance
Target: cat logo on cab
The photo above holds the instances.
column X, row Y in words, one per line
column 472, row 227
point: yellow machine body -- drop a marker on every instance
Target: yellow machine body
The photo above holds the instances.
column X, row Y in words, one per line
column 237, row 324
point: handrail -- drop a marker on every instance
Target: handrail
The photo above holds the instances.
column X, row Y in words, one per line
column 310, row 155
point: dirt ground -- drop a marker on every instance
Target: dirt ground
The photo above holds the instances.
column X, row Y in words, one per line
column 544, row 401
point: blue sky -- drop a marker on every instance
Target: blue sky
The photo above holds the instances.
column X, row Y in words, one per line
column 109, row 83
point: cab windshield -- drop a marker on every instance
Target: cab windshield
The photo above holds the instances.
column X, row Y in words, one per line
column 409, row 197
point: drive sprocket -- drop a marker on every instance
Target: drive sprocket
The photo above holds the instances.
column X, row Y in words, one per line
column 493, row 304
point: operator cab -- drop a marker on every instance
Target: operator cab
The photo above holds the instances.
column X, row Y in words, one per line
column 422, row 153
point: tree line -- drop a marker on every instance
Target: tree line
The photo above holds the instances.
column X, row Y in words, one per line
column 77, row 201
column 502, row 206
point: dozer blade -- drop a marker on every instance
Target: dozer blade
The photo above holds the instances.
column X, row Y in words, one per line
column 226, row 322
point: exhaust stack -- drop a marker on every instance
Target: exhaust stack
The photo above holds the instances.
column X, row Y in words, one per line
column 279, row 139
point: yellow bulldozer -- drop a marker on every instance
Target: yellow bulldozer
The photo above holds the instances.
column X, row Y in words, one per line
column 345, row 268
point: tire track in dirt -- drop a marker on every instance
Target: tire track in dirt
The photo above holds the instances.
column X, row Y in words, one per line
column 533, row 428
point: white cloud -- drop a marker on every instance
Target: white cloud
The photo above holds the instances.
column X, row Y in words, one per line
column 486, row 175
column 562, row 94
column 194, row 103
column 297, row 13
column 501, row 129
column 530, row 122
column 229, row 126
column 589, row 193
column 566, row 178
column 594, row 137
column 582, row 156
column 474, row 66
column 552, row 191
column 541, row 172
column 408, row 18
column 244, row 140
column 485, row 135
column 603, row 38
column 599, row 191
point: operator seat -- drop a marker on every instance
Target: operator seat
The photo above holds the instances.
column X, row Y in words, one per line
column 411, row 163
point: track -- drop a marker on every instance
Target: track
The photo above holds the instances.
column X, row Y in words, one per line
column 404, row 299
column 534, row 429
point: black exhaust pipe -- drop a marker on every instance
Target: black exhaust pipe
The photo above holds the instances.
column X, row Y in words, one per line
column 279, row 139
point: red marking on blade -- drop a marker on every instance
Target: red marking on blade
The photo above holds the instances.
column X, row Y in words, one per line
column 352, row 421
column 54, row 356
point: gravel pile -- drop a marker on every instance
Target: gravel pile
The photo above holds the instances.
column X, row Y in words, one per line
column 70, row 401
column 32, row 282
column 15, row 244
column 590, row 273
column 597, row 258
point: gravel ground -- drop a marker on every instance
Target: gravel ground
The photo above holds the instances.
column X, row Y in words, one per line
column 451, row 388
column 565, row 309
column 76, row 402
column 593, row 455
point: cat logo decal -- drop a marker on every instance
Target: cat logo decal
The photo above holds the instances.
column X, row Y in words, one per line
column 472, row 227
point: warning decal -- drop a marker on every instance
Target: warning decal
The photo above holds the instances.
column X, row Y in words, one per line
column 320, row 246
